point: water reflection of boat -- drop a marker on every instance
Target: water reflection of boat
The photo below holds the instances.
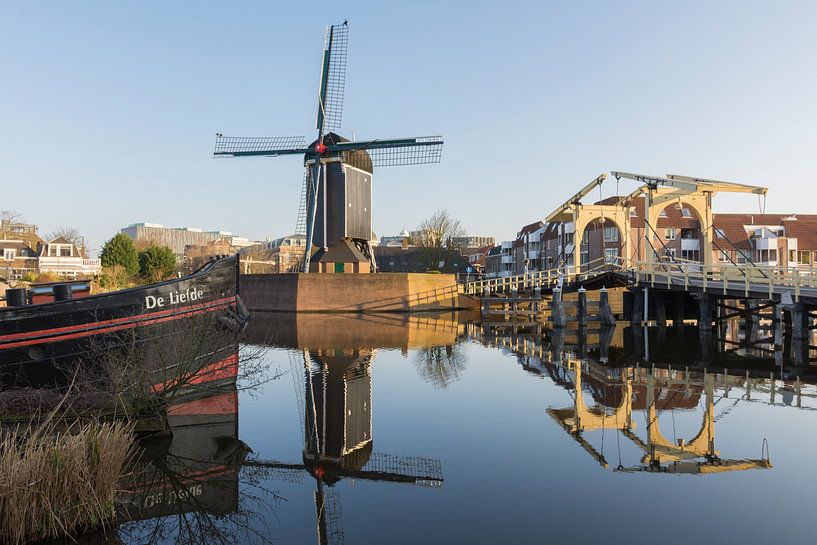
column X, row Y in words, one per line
column 40, row 344
column 193, row 465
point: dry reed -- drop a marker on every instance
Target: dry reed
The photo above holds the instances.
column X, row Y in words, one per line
column 57, row 483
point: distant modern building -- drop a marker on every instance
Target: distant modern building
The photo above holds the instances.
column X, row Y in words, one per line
column 473, row 241
column 401, row 240
column 177, row 238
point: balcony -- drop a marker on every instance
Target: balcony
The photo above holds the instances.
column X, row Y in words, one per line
column 688, row 244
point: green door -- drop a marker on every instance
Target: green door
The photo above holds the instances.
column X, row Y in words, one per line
column 338, row 267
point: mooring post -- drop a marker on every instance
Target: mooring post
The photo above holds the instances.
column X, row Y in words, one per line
column 582, row 308
column 557, row 311
column 605, row 312
column 704, row 311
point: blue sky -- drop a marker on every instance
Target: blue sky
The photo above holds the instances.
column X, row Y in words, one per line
column 109, row 110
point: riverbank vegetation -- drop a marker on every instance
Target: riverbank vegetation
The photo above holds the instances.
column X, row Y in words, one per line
column 55, row 483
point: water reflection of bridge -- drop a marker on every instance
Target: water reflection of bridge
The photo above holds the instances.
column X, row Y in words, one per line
column 614, row 389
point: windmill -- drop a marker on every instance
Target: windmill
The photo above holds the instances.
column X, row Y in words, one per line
column 337, row 191
column 334, row 403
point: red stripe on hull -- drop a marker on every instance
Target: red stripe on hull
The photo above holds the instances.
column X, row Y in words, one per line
column 140, row 320
column 114, row 321
column 223, row 404
column 226, row 368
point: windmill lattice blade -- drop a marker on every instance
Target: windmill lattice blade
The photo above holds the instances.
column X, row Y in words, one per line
column 300, row 223
column 394, row 152
column 335, row 46
column 407, row 155
column 258, row 145
column 425, row 471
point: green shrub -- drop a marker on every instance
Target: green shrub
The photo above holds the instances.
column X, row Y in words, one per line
column 120, row 251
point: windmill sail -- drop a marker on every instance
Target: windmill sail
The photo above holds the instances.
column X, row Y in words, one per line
column 269, row 146
column 333, row 78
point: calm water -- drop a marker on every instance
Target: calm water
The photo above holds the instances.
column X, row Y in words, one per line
column 430, row 430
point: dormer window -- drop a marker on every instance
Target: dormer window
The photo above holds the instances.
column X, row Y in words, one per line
column 686, row 213
column 663, row 213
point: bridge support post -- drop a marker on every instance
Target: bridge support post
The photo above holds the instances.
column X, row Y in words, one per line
column 557, row 310
column 677, row 309
column 637, row 312
column 777, row 322
column 660, row 310
column 799, row 321
column 751, row 319
column 704, row 310
column 605, row 312
column 582, row 308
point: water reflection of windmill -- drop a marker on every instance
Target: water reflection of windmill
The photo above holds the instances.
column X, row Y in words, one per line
column 336, row 201
column 335, row 405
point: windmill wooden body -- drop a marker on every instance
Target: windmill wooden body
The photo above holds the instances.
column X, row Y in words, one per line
column 336, row 201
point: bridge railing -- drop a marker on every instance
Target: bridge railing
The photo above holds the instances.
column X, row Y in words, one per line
column 751, row 278
column 545, row 278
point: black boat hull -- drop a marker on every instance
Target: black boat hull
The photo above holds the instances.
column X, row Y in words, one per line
column 172, row 329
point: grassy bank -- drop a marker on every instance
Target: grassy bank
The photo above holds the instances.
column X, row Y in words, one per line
column 57, row 484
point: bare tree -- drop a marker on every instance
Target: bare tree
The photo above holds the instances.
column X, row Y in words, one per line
column 438, row 236
column 441, row 365
column 11, row 216
column 441, row 230
column 71, row 234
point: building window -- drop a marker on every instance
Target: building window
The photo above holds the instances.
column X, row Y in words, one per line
column 686, row 213
column 633, row 212
column 9, row 254
column 719, row 233
column 669, row 233
column 743, row 257
column 611, row 233
column 804, row 257
column 610, row 256
column 723, row 257
column 669, row 252
column 792, row 256
column 691, row 255
column 765, row 256
column 663, row 213
column 65, row 251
